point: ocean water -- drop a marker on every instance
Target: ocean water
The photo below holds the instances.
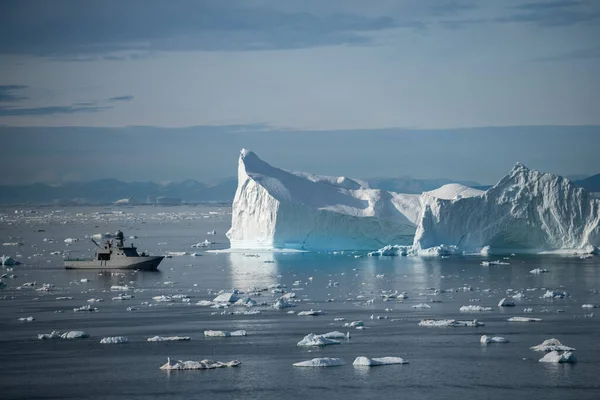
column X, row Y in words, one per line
column 447, row 363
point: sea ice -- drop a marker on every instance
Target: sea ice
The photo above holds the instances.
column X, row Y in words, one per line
column 87, row 308
column 449, row 323
column 311, row 313
column 27, row 319
column 550, row 294
column 224, row 333
column 114, row 340
column 552, row 345
column 492, row 339
column 371, row 362
column 321, row 362
column 556, row 357
column 538, row 271
column 204, row 364
column 473, row 308
column 227, row 297
column 168, row 338
column 524, row 319
column 316, row 340
column 506, row 303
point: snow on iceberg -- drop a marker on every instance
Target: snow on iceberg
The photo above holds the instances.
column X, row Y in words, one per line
column 204, row 364
column 274, row 208
column 316, row 340
column 552, row 345
column 526, row 211
column 114, row 340
column 556, row 357
column 371, row 362
column 321, row 362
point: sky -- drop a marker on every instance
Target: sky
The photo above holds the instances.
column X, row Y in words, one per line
column 339, row 74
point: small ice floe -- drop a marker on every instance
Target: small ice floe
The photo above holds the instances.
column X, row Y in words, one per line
column 311, row 312
column 590, row 306
column 94, row 300
column 524, row 319
column 538, row 271
column 8, row 261
column 556, row 357
column 550, row 294
column 176, row 253
column 204, row 303
column 281, row 304
column 354, row 324
column 224, row 333
column 162, row 299
column 123, row 297
column 168, row 338
column 87, row 308
column 29, row 284
column 506, row 303
column 26, row 319
column 474, row 308
column 519, row 296
column 245, row 302
column 132, row 308
column 118, row 288
column 372, row 362
column 66, row 335
column 449, row 322
column 421, row 306
column 64, row 298
column 71, row 240
column 204, row 364
column 84, row 280
column 497, row 262
column 492, row 339
column 114, row 340
column 46, row 287
column 528, row 310
column 321, row 362
column 316, row 340
column 552, row 345
column 227, row 297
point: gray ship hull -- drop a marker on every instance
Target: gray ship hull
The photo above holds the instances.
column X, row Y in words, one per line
column 149, row 263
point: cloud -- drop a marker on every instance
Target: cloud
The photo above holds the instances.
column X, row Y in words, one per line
column 120, row 98
column 7, row 95
column 553, row 14
column 73, row 28
column 549, row 5
column 452, row 7
column 589, row 53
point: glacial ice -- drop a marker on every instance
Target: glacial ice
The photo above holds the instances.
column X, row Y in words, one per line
column 506, row 303
column 492, row 339
column 224, row 333
column 552, row 345
column 556, row 357
column 227, row 297
column 449, row 323
column 168, row 338
column 371, row 362
column 114, row 340
column 204, row 364
column 524, row 319
column 316, row 340
column 66, row 335
column 321, row 362
column 474, row 308
column 274, row 208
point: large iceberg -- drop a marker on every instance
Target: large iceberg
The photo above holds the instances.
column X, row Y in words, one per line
column 274, row 208
column 527, row 211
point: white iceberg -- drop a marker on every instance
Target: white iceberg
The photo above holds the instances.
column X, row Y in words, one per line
column 119, row 288
column 316, row 340
column 552, row 345
column 421, row 306
column 26, row 319
column 321, row 362
column 71, row 240
column 274, row 208
column 473, row 308
column 550, row 294
column 74, row 335
column 87, row 308
column 527, row 211
column 224, row 333
column 191, row 365
column 556, row 357
column 114, row 340
column 538, row 271
column 336, row 335
column 449, row 323
column 281, row 304
column 168, row 338
column 227, row 297
column 524, row 319
column 492, row 339
column 311, row 313
column 371, row 362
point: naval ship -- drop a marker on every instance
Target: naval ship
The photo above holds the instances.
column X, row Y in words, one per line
column 115, row 257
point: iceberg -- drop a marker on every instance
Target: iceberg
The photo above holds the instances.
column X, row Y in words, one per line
column 66, row 335
column 224, row 333
column 114, row 340
column 316, row 340
column 527, row 211
column 552, row 345
column 204, row 364
column 275, row 209
column 449, row 323
column 506, row 303
column 371, row 362
column 524, row 319
column 492, row 339
column 556, row 357
column 321, row 362
column 472, row 308
column 168, row 339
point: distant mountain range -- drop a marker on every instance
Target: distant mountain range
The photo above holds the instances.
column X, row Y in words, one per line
column 108, row 191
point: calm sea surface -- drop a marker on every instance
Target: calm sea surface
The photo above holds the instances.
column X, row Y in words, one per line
column 444, row 363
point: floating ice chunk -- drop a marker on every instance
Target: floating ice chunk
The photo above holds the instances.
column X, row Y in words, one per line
column 84, row 280
column 519, row 295
column 449, row 323
column 321, row 362
column 550, row 294
column 552, row 345
column 162, row 299
column 123, row 297
column 118, row 288
column 87, row 308
column 492, row 339
column 64, row 298
column 176, row 253
column 473, row 308
column 506, row 303
column 371, row 362
column 227, row 297
column 245, row 302
column 316, row 340
column 391, row 251
column 94, row 300
column 528, row 310
column 27, row 319
column 311, row 313
column 47, row 336
column 168, row 338
column 8, row 261
column 524, row 319
column 589, row 306
column 74, row 335
column 224, row 333
column 421, row 305
column 114, row 340
column 538, row 271
column 281, row 304
column 497, row 262
column 556, row 357
column 204, row 303
column 204, row 364
column 336, row 335
column 71, row 240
